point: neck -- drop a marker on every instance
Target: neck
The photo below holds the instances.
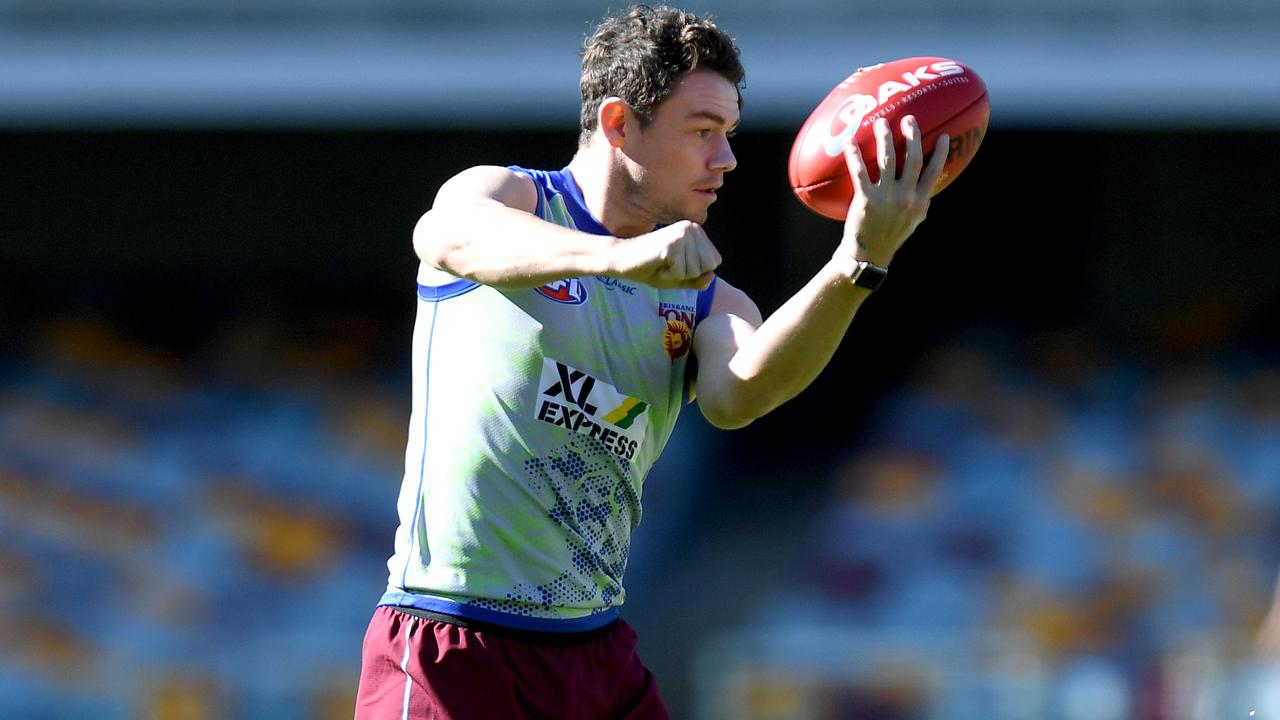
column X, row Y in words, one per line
column 607, row 187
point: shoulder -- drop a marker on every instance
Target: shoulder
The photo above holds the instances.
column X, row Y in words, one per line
column 490, row 183
column 729, row 300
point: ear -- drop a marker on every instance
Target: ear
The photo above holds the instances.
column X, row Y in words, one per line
column 612, row 119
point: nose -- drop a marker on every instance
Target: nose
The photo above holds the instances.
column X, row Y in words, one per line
column 723, row 160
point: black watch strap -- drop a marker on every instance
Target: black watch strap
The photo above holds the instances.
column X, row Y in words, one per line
column 863, row 274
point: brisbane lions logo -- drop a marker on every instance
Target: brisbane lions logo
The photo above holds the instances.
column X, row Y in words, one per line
column 677, row 336
column 567, row 292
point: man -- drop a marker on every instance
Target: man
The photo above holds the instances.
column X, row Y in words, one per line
column 558, row 316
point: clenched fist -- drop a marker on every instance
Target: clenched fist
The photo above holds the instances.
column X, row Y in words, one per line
column 679, row 255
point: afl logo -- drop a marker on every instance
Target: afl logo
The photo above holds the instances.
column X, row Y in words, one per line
column 567, row 292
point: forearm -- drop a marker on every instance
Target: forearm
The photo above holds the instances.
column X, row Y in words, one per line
column 752, row 370
column 505, row 247
column 788, row 351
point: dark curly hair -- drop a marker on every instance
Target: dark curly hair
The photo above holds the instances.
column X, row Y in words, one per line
column 639, row 56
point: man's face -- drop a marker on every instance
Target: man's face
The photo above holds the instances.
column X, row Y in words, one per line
column 684, row 152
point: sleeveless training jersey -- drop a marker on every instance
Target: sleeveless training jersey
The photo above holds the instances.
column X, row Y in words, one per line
column 536, row 415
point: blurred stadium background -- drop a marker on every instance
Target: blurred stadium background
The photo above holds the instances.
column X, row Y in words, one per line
column 1040, row 481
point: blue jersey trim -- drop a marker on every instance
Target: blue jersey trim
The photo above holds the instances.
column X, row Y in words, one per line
column 703, row 306
column 582, row 217
column 562, row 183
column 395, row 598
column 436, row 293
column 426, row 420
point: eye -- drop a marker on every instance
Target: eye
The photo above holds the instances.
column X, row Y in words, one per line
column 704, row 133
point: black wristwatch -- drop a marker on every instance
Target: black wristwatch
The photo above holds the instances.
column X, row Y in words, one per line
column 863, row 274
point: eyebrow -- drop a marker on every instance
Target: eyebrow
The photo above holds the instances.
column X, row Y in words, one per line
column 707, row 115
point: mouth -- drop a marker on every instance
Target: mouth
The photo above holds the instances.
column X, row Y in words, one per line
column 708, row 192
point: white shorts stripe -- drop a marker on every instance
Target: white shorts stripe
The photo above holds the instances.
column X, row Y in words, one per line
column 404, row 665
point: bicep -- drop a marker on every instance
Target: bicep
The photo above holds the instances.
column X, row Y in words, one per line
column 732, row 320
column 453, row 212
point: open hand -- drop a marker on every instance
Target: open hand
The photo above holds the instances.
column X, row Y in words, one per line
column 884, row 213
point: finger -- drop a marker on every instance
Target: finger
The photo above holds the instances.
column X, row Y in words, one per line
column 709, row 257
column 885, row 152
column 857, row 167
column 677, row 260
column 933, row 171
column 702, row 282
column 692, row 258
column 915, row 156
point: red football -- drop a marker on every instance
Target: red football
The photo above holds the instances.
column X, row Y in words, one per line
column 943, row 95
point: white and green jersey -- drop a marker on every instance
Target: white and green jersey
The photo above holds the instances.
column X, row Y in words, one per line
column 536, row 415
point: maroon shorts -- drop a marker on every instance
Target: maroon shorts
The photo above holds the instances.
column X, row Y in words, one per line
column 422, row 668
